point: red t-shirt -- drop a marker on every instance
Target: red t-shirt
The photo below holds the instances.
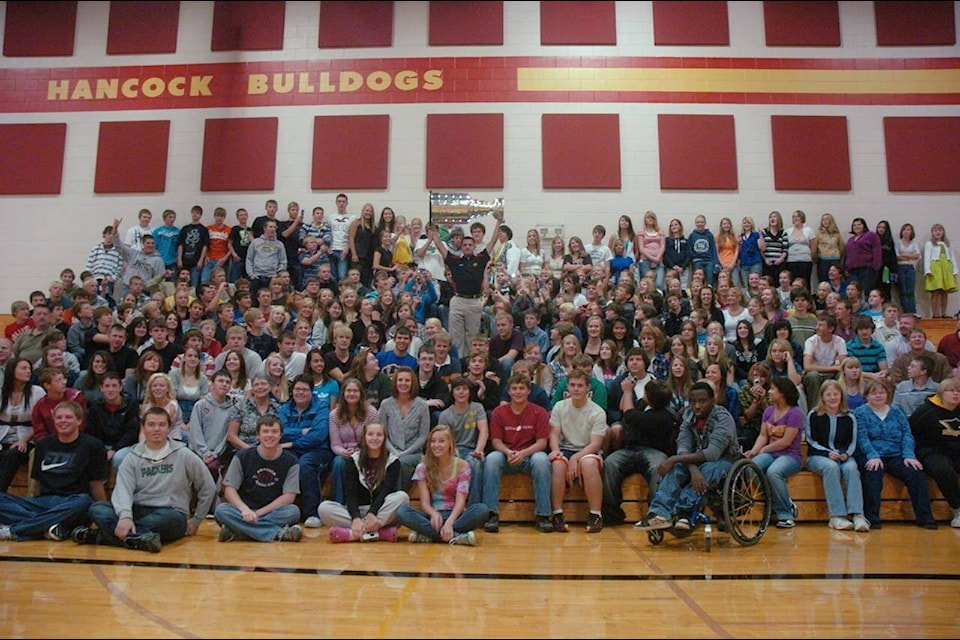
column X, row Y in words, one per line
column 519, row 431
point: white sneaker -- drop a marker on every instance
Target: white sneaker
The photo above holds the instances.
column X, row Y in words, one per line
column 6, row 533
column 469, row 539
column 860, row 523
column 955, row 523
column 840, row 524
column 313, row 522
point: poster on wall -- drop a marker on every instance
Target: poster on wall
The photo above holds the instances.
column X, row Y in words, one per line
column 449, row 210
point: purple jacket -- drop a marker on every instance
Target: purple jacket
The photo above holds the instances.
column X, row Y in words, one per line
column 863, row 252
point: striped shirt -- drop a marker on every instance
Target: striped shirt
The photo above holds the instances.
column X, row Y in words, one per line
column 105, row 263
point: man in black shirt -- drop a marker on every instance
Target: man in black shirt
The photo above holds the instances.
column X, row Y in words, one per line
column 70, row 468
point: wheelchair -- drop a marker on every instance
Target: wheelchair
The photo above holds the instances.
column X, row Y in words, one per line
column 741, row 507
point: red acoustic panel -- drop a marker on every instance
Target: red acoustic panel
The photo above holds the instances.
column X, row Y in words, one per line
column 697, row 152
column 247, row 26
column 132, row 157
column 143, row 27
column 690, row 23
column 356, row 24
column 239, row 154
column 802, row 24
column 581, row 151
column 810, row 153
column 465, row 150
column 905, row 24
column 466, row 23
column 922, row 154
column 575, row 23
column 32, row 161
column 39, row 29
column 365, row 165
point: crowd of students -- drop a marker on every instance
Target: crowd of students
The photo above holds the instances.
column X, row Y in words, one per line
column 406, row 359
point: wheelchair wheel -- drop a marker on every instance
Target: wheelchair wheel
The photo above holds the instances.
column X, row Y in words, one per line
column 655, row 536
column 746, row 502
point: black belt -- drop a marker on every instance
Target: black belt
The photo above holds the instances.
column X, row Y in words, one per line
column 469, row 297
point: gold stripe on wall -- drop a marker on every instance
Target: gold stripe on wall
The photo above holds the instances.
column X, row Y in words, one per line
column 739, row 80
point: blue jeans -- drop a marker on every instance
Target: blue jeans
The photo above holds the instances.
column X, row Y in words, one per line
column 708, row 267
column 237, row 270
column 313, row 464
column 915, row 481
column 337, row 469
column 644, row 265
column 169, row 523
column 476, row 474
column 831, row 472
column 209, row 266
column 741, row 275
column 865, row 277
column 620, row 464
column 473, row 517
column 30, row 518
column 907, row 285
column 338, row 266
column 537, row 466
column 778, row 469
column 675, row 494
column 265, row 529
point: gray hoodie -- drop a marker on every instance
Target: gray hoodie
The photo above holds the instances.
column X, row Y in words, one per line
column 165, row 482
column 208, row 424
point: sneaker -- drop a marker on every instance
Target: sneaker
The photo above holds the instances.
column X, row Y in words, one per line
column 544, row 524
column 340, row 534
column 794, row 510
column 418, row 537
column 955, row 523
column 930, row 525
column 559, row 523
column 226, row 534
column 291, row 533
column 840, row 524
column 388, row 534
column 7, row 534
column 682, row 524
column 84, row 535
column 788, row 523
column 57, row 533
column 313, row 522
column 860, row 523
column 469, row 539
column 493, row 523
column 653, row 521
column 594, row 523
column 143, row 542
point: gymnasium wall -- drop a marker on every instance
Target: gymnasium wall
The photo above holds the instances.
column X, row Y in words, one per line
column 573, row 112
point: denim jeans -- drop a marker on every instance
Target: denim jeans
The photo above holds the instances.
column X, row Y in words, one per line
column 915, row 481
column 741, row 275
column 473, row 517
column 644, row 266
column 708, row 269
column 169, row 523
column 338, row 266
column 907, row 285
column 476, row 474
column 337, row 470
column 335, row 514
column 831, row 472
column 675, row 493
column 617, row 467
column 313, row 464
column 537, row 466
column 265, row 529
column 778, row 469
column 30, row 518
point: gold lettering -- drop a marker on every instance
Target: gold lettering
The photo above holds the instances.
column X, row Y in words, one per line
column 82, row 91
column 58, row 89
column 283, row 82
column 129, row 87
column 175, row 86
column 432, row 79
column 378, row 81
column 350, row 81
column 304, row 85
column 200, row 85
column 152, row 87
column 257, row 84
column 107, row 88
column 325, row 86
column 406, row 80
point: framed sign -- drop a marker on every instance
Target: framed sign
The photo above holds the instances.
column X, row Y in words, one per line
column 449, row 210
